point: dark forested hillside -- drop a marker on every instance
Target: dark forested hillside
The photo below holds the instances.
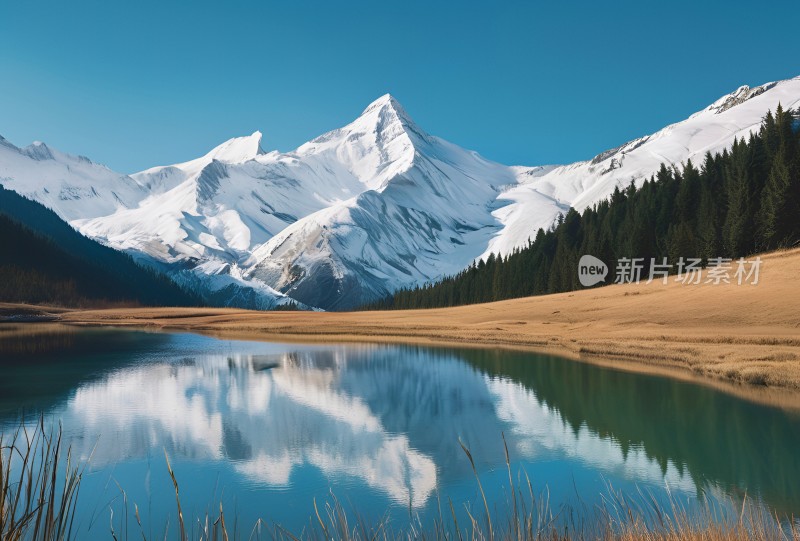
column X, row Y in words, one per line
column 44, row 260
column 742, row 201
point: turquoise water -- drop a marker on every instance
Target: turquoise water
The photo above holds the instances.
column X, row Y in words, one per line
column 267, row 428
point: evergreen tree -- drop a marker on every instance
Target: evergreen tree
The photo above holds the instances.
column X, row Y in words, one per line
column 776, row 223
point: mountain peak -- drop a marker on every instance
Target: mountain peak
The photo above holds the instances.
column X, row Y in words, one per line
column 384, row 117
column 387, row 100
column 38, row 151
column 238, row 149
column 386, row 109
column 739, row 96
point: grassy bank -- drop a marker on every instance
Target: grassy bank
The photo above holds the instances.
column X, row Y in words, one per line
column 40, row 495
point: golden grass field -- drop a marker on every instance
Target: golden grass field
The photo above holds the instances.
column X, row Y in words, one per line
column 748, row 335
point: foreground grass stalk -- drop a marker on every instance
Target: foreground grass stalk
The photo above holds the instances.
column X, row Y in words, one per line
column 480, row 487
column 177, row 498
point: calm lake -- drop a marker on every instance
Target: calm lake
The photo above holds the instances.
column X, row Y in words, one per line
column 268, row 427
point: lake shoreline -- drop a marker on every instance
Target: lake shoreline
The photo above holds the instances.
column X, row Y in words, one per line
column 743, row 338
column 787, row 398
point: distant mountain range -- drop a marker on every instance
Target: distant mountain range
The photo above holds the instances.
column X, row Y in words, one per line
column 354, row 214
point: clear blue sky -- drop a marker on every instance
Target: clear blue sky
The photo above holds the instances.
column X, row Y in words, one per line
column 137, row 84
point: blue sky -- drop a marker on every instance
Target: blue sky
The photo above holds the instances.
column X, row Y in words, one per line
column 138, row 84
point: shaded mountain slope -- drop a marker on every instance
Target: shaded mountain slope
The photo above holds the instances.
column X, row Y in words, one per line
column 44, row 260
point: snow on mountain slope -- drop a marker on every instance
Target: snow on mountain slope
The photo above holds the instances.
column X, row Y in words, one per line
column 237, row 150
column 375, row 147
column 215, row 209
column 206, row 215
column 584, row 183
column 73, row 186
column 236, row 197
column 425, row 212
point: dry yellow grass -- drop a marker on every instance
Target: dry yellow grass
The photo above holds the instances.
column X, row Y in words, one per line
column 742, row 334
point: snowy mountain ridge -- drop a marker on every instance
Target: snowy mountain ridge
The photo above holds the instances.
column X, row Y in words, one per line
column 355, row 213
column 582, row 184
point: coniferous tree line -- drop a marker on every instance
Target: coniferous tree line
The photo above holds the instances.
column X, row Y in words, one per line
column 741, row 201
column 44, row 260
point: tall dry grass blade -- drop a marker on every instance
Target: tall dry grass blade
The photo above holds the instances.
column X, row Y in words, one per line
column 139, row 521
column 177, row 498
column 321, row 522
column 111, row 524
column 455, row 519
column 39, row 487
column 475, row 527
column 514, row 511
column 480, row 486
column 287, row 533
column 741, row 513
column 256, row 530
column 223, row 528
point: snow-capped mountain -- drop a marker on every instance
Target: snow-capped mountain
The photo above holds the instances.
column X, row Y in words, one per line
column 424, row 210
column 355, row 213
column 582, row 184
column 73, row 186
column 81, row 191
